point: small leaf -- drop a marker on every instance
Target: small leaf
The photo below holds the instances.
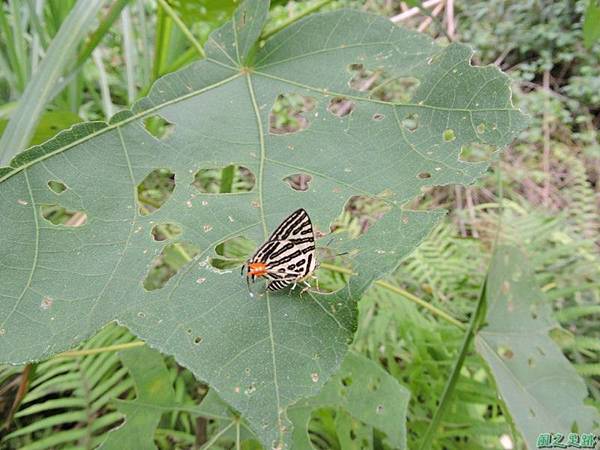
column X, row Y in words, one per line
column 591, row 23
column 154, row 396
column 540, row 387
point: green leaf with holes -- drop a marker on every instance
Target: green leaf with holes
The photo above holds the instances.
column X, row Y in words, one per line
column 366, row 392
column 542, row 390
column 59, row 283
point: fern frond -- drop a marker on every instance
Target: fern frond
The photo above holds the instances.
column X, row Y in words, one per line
column 67, row 401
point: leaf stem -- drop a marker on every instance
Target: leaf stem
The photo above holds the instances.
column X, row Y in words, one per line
column 293, row 19
column 227, row 177
column 216, row 437
column 335, row 268
column 94, row 39
column 477, row 320
column 93, row 351
column 413, row 298
column 474, row 324
column 184, row 29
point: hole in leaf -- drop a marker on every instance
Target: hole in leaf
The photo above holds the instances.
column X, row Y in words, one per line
column 379, row 409
column 397, row 90
column 359, row 214
column 159, row 127
column 363, row 79
column 198, row 340
column 341, row 106
column 299, row 181
column 221, row 180
column 166, row 265
column 155, row 190
column 57, row 215
column 562, row 337
column 58, row 187
column 382, row 85
column 424, row 175
column 232, row 253
column 476, row 152
column 449, row 135
column 378, row 117
column 411, row 122
column 505, row 352
column 327, row 280
column 534, row 312
column 287, row 116
column 374, row 384
column 346, row 381
column 165, row 231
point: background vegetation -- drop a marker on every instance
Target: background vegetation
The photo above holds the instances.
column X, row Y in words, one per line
column 546, row 186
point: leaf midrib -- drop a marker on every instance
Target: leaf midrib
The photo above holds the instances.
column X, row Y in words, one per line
column 261, row 138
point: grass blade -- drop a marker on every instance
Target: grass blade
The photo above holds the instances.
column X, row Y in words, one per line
column 130, row 53
column 22, row 124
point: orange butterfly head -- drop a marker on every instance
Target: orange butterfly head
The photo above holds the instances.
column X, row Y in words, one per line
column 257, row 269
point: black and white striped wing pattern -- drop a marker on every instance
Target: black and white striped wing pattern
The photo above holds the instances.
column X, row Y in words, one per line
column 289, row 253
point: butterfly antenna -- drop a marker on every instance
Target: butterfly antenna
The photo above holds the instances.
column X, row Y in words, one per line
column 329, row 243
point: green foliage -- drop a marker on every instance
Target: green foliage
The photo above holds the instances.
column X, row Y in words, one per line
column 533, row 37
column 154, row 395
column 557, row 228
column 254, row 340
column 68, row 400
column 19, row 130
column 591, row 29
column 541, row 389
column 367, row 393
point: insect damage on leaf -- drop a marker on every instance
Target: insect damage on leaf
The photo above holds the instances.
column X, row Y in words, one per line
column 271, row 121
column 299, row 181
column 288, row 116
column 341, row 106
column 158, row 127
column 221, row 180
column 154, row 190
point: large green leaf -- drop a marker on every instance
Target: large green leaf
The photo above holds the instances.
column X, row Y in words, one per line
column 542, row 390
column 60, row 284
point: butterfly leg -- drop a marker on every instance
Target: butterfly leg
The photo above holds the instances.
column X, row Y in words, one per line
column 307, row 287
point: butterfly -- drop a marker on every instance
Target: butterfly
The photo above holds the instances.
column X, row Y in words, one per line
column 288, row 255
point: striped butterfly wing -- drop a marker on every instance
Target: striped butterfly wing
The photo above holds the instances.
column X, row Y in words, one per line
column 289, row 253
